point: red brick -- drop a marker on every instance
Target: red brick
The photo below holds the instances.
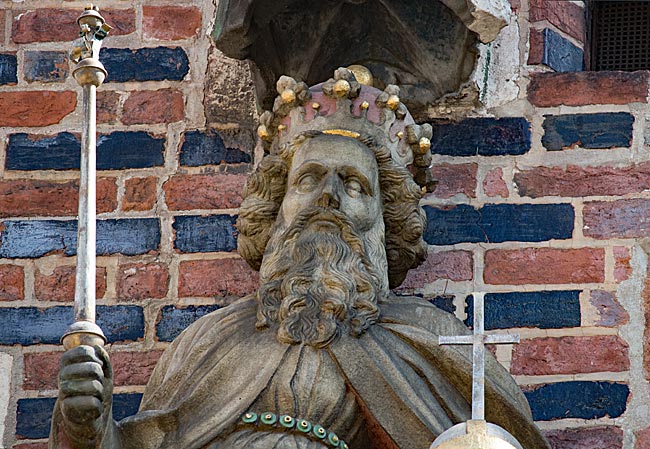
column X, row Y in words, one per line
column 31, row 446
column 645, row 298
column 454, row 179
column 12, row 283
column 570, row 355
column 544, row 266
column 41, row 370
column 622, row 267
column 602, row 437
column 642, row 439
column 617, row 219
column 139, row 194
column 584, row 88
column 2, row 25
column 141, row 281
column 494, row 185
column 33, row 197
column 57, row 25
column 452, row 265
column 133, row 368
column 35, row 108
column 611, row 313
column 221, row 277
column 170, row 22
column 153, row 106
column 567, row 16
column 536, row 41
column 210, row 191
column 576, row 181
column 107, row 106
column 60, row 285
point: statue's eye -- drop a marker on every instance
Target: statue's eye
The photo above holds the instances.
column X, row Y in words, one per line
column 307, row 182
column 353, row 187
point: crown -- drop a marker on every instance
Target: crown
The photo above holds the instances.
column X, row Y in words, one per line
column 346, row 107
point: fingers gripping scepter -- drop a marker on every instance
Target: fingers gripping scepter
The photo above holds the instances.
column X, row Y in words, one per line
column 90, row 74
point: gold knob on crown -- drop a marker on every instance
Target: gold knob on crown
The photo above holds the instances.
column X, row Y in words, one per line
column 425, row 144
column 341, row 88
column 288, row 96
column 263, row 132
column 393, row 102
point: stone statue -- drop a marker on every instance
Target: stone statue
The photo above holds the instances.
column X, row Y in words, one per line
column 323, row 354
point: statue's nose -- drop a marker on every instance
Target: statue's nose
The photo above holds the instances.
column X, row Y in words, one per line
column 329, row 196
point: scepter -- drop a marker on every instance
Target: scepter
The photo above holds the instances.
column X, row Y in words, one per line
column 90, row 74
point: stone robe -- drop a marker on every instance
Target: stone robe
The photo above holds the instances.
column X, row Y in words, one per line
column 393, row 387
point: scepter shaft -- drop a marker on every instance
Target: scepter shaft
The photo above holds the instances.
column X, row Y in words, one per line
column 90, row 74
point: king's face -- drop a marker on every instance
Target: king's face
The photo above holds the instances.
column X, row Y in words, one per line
column 334, row 172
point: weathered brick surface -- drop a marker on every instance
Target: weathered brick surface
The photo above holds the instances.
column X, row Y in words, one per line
column 498, row 223
column 153, row 106
column 482, row 136
column 550, row 48
column 604, row 130
column 60, row 284
column 141, row 281
column 642, row 439
column 139, row 194
column 544, row 266
column 452, row 265
column 45, row 66
column 221, row 277
column 62, row 151
column 542, row 309
column 568, row 17
column 617, row 219
column 204, row 148
column 196, row 234
column 170, row 22
column 8, row 66
column 32, row 197
column 35, row 108
column 600, row 437
column 494, row 185
column 582, row 88
column 622, row 267
column 577, row 181
column 55, row 25
column 31, row 326
column 570, row 355
column 172, row 321
column 454, row 179
column 610, row 311
column 578, row 399
column 12, row 282
column 107, row 106
column 212, row 191
column 31, row 446
column 145, row 64
column 35, row 238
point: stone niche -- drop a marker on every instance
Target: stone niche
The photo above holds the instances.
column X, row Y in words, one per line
column 427, row 47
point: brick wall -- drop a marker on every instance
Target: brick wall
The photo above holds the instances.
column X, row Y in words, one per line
column 542, row 203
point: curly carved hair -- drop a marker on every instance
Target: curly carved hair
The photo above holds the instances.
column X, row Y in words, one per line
column 404, row 219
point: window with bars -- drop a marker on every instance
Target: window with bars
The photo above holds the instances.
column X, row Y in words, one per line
column 620, row 35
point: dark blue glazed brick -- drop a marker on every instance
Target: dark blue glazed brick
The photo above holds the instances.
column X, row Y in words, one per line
column 560, row 54
column 196, row 234
column 596, row 131
column 482, row 137
column 8, row 69
column 544, row 309
column 498, row 223
column 31, row 326
column 444, row 302
column 174, row 320
column 45, row 66
column 34, row 416
column 145, row 64
column 115, row 151
column 121, row 150
column 580, row 399
column 208, row 149
column 59, row 152
column 35, row 238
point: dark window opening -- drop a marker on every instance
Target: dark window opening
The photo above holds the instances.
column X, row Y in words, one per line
column 620, row 35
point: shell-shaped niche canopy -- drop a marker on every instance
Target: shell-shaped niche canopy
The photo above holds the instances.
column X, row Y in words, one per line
column 426, row 47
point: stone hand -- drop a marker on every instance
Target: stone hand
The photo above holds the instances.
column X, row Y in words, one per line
column 85, row 394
